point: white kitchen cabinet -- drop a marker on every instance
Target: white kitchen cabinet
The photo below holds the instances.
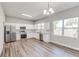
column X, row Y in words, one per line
column 33, row 35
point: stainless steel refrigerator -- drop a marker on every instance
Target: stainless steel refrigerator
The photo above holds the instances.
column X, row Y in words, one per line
column 9, row 33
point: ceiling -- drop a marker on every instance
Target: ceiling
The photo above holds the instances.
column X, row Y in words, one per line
column 35, row 9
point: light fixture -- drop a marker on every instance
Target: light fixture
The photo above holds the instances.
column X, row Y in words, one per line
column 26, row 15
column 45, row 11
column 51, row 10
column 48, row 11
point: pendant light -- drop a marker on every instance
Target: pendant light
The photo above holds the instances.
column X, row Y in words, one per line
column 48, row 11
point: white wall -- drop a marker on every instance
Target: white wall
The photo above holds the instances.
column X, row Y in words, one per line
column 2, row 19
column 66, row 41
column 16, row 20
column 69, row 13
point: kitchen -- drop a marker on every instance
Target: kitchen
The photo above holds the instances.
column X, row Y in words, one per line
column 25, row 31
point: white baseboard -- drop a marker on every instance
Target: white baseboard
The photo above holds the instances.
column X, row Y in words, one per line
column 65, row 45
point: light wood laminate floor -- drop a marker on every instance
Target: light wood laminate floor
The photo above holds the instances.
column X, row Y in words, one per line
column 36, row 48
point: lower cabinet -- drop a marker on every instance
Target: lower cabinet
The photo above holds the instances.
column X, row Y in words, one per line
column 33, row 35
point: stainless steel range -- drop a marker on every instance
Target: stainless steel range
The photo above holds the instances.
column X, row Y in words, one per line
column 23, row 32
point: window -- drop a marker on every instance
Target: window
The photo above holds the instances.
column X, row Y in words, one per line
column 71, row 27
column 66, row 27
column 57, row 27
